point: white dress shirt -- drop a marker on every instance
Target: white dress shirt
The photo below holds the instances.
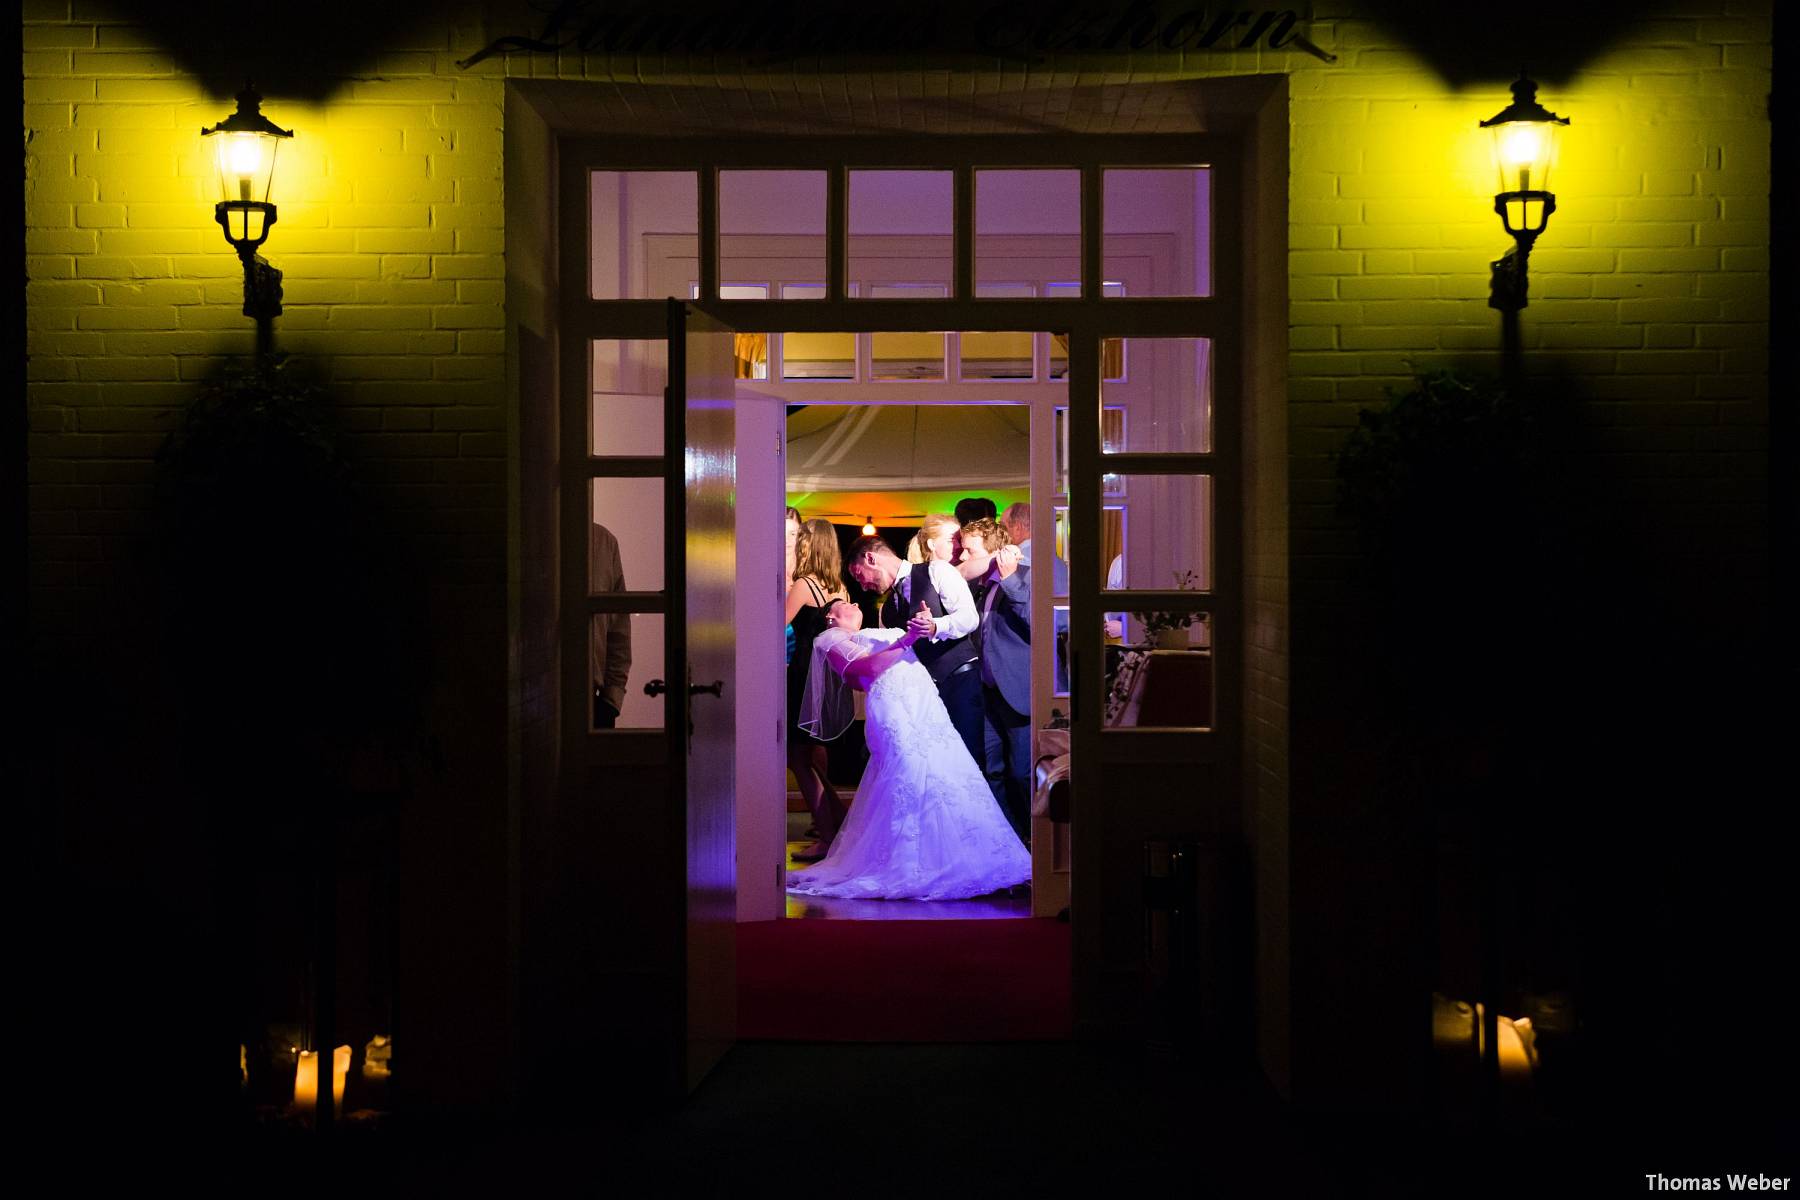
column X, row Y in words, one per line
column 960, row 617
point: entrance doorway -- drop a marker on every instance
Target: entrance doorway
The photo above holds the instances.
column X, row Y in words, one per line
column 1110, row 258
column 908, row 471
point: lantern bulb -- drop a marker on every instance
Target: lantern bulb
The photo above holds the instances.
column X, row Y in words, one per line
column 1521, row 145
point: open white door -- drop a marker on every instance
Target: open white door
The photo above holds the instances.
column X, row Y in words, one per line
column 701, row 643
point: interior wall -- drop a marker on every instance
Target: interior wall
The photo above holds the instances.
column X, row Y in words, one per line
column 761, row 711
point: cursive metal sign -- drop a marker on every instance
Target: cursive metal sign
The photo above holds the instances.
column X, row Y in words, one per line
column 770, row 32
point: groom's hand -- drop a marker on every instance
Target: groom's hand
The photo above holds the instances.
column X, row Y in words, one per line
column 1008, row 560
column 921, row 624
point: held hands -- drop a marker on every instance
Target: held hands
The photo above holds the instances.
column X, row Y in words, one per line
column 1007, row 560
column 921, row 625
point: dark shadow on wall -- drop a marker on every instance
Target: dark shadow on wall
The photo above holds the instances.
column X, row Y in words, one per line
column 1469, row 44
column 297, row 51
column 246, row 693
column 1564, row 653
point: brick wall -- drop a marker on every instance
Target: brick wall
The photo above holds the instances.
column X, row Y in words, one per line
column 1650, row 300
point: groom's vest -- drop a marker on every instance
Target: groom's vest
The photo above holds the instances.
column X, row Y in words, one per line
column 941, row 659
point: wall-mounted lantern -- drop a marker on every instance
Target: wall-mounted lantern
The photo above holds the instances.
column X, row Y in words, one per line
column 1524, row 147
column 245, row 143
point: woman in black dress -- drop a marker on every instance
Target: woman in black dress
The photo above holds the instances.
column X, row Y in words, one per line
column 818, row 580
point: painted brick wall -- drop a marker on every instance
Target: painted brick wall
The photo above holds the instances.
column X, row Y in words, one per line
column 390, row 237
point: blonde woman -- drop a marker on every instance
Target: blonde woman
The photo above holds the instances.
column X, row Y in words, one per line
column 936, row 539
column 818, row 580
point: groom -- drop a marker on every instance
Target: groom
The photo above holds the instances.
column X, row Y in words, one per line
column 933, row 599
column 1000, row 581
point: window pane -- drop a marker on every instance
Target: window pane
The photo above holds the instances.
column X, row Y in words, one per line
column 818, row 356
column 627, row 414
column 906, row 356
column 1158, row 226
column 1059, row 657
column 900, row 227
column 646, row 233
column 625, row 544
column 771, row 226
column 625, row 652
column 907, row 291
column 997, row 355
column 1112, row 537
column 1005, row 291
column 1112, row 422
column 1112, row 357
column 1165, row 540
column 802, row 291
column 1161, row 686
column 1027, row 216
column 1165, row 403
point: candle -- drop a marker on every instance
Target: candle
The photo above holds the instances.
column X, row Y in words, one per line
column 1517, row 1050
column 306, row 1078
column 378, row 1057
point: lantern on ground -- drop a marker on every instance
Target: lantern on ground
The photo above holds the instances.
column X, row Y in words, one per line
column 1524, row 137
column 244, row 145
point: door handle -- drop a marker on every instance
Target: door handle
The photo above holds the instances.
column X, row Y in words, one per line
column 715, row 688
column 655, row 687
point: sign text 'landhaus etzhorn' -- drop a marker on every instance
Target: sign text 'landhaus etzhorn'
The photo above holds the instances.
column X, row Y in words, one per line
column 779, row 30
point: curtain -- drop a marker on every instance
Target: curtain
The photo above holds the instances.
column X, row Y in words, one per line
column 1112, row 541
column 749, row 349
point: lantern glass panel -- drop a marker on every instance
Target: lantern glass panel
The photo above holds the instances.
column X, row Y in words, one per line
column 1524, row 152
column 245, row 224
column 246, row 165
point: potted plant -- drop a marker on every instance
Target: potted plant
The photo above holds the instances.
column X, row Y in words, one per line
column 1169, row 630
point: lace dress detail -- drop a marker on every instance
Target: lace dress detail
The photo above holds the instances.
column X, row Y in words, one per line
column 924, row 825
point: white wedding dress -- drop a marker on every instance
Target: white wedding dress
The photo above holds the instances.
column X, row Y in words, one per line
column 924, row 825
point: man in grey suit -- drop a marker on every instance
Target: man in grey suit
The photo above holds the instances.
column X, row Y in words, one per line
column 1001, row 585
column 1016, row 520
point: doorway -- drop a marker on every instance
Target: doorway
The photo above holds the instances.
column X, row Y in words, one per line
column 904, row 471
column 1111, row 250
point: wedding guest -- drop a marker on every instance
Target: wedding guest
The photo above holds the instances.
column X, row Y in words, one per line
column 972, row 508
column 793, row 538
column 1115, row 579
column 1001, row 583
column 609, row 638
column 936, row 539
column 787, row 574
column 1016, row 520
column 818, row 581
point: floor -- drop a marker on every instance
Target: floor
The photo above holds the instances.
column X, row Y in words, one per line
column 1000, row 904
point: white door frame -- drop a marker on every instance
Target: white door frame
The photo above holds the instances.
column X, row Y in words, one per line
column 1213, row 752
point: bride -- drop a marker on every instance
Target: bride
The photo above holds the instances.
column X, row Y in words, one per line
column 924, row 825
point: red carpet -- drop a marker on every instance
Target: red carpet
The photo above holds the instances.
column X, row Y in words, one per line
column 904, row 981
